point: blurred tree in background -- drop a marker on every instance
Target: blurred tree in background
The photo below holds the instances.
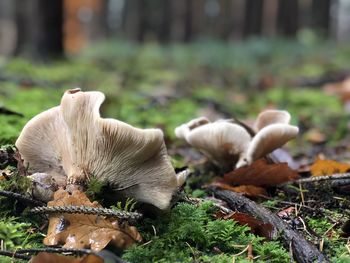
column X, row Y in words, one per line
column 47, row 29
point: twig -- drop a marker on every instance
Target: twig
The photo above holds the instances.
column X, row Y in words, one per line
column 301, row 194
column 305, row 227
column 25, row 253
column 320, row 178
column 192, row 251
column 250, row 252
column 55, row 250
column 87, row 210
column 321, row 244
column 240, row 253
column 329, row 229
column 14, row 254
column 303, row 251
column 21, row 198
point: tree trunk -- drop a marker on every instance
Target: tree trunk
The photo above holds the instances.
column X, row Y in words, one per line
column 8, row 31
column 288, row 17
column 269, row 17
column 50, row 25
column 40, row 28
column 253, row 17
column 321, row 15
column 189, row 20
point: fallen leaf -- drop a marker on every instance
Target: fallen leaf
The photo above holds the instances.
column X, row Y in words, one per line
column 341, row 89
column 315, row 136
column 54, row 258
column 285, row 213
column 258, row 227
column 248, row 190
column 86, row 231
column 328, row 167
column 261, row 173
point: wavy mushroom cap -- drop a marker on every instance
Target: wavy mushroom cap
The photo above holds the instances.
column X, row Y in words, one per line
column 230, row 143
column 221, row 141
column 72, row 140
column 269, row 117
column 269, row 139
column 182, row 131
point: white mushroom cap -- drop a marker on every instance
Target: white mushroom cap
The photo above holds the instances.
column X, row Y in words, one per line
column 184, row 129
column 74, row 141
column 229, row 144
column 221, row 141
column 268, row 117
column 269, row 139
column 273, row 131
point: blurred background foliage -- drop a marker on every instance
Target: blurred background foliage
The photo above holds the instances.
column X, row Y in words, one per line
column 161, row 62
column 152, row 85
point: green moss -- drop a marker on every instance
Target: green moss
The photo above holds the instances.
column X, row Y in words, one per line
column 334, row 246
column 15, row 234
column 190, row 233
column 27, row 102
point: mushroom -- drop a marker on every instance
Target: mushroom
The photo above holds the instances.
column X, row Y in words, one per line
column 72, row 142
column 230, row 144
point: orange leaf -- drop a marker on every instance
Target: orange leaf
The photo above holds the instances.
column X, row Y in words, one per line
column 54, row 258
column 328, row 167
column 260, row 173
column 86, row 231
column 341, row 89
column 248, row 190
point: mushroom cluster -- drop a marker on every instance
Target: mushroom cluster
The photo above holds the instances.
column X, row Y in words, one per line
column 230, row 144
column 71, row 143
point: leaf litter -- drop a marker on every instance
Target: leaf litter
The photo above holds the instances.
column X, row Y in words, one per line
column 86, row 231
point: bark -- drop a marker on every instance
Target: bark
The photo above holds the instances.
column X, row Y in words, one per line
column 40, row 28
column 253, row 17
column 288, row 17
column 321, row 15
column 303, row 251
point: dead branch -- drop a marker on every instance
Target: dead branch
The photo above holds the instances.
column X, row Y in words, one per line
column 320, row 178
column 303, row 251
column 87, row 210
column 21, row 198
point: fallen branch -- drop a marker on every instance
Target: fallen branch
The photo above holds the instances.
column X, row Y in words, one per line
column 86, row 210
column 26, row 254
column 58, row 250
column 14, row 254
column 320, row 178
column 21, row 198
column 303, row 251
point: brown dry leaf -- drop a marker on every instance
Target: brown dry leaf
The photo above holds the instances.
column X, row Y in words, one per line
column 54, row 258
column 328, row 167
column 315, row 136
column 257, row 226
column 248, row 190
column 86, row 231
column 261, row 173
column 341, row 89
column 287, row 212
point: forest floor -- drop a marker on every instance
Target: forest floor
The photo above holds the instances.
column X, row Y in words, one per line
column 166, row 86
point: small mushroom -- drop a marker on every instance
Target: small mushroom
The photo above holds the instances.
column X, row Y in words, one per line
column 72, row 141
column 230, row 144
